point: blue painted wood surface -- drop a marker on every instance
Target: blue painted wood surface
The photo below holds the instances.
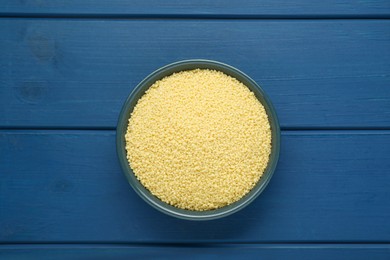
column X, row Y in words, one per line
column 67, row 66
column 77, row 73
column 66, row 186
column 262, row 8
column 301, row 252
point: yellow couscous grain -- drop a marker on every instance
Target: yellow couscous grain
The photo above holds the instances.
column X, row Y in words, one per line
column 198, row 139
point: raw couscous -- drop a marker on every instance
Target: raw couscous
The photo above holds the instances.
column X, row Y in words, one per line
column 198, row 139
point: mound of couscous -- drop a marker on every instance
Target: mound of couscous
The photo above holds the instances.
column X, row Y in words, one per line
column 198, row 139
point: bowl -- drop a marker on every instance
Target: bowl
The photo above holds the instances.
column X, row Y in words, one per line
column 138, row 92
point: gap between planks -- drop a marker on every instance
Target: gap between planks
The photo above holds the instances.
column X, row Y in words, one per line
column 80, row 16
column 365, row 244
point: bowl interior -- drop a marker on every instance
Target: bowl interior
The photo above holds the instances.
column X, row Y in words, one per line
column 138, row 93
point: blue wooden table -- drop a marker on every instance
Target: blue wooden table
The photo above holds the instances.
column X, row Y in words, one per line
column 66, row 68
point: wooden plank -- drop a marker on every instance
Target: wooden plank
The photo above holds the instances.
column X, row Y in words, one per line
column 301, row 252
column 201, row 7
column 77, row 73
column 66, row 186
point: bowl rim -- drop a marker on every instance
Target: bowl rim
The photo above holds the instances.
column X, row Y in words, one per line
column 138, row 92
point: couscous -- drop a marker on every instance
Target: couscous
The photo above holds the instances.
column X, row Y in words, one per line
column 198, row 139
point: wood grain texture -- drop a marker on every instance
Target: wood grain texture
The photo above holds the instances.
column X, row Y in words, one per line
column 201, row 7
column 66, row 186
column 77, row 73
column 302, row 252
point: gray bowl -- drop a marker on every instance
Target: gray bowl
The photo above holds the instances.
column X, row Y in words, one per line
column 145, row 194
